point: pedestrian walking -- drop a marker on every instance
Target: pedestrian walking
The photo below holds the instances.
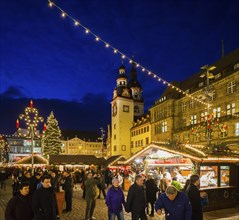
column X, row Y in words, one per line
column 115, row 200
column 68, row 188
column 151, row 191
column 44, row 201
column 176, row 205
column 195, row 197
column 19, row 206
column 91, row 193
column 136, row 201
column 101, row 185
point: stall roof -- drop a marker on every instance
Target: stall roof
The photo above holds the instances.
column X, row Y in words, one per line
column 75, row 159
column 28, row 160
column 193, row 152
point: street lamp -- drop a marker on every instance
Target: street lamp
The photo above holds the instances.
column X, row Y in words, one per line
column 210, row 120
column 208, row 77
column 31, row 119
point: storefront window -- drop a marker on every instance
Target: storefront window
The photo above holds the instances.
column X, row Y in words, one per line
column 225, row 173
column 208, row 176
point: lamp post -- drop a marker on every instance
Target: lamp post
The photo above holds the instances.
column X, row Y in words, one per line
column 31, row 119
column 208, row 77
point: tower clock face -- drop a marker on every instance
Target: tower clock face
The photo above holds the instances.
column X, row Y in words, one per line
column 114, row 109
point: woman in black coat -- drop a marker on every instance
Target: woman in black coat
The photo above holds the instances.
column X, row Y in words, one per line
column 151, row 190
column 19, row 206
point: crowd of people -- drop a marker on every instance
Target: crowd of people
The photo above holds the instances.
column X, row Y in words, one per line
column 34, row 194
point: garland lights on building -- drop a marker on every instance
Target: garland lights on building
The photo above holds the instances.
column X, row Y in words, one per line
column 107, row 45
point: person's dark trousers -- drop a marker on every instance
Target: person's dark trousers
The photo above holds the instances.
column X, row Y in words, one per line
column 152, row 208
column 68, row 198
column 90, row 207
column 136, row 216
column 103, row 192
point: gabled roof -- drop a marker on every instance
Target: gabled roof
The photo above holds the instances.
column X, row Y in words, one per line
column 74, row 159
column 28, row 160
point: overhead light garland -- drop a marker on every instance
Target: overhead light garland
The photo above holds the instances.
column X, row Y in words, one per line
column 76, row 22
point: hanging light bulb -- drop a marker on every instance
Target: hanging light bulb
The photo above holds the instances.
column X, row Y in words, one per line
column 63, row 14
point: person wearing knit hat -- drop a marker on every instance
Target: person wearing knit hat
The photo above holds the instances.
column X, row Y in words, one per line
column 115, row 200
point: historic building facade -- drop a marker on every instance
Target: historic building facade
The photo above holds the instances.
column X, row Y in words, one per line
column 211, row 118
column 203, row 110
column 77, row 146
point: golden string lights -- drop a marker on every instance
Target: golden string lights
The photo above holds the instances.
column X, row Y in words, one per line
column 123, row 56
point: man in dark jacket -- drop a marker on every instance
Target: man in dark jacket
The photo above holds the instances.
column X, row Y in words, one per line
column 44, row 201
column 194, row 196
column 176, row 205
column 136, row 202
column 68, row 188
column 19, row 207
column 151, row 190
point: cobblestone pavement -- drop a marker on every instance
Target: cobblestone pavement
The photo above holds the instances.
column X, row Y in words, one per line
column 101, row 210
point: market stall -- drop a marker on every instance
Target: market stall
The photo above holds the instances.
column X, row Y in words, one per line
column 218, row 171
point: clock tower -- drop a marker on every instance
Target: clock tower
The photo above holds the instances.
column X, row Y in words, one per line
column 136, row 89
column 122, row 117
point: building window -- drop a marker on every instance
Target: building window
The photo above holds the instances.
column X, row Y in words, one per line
column 115, row 148
column 203, row 116
column 237, row 129
column 132, row 144
column 144, row 129
column 123, row 148
column 136, row 109
column 114, row 126
column 141, row 143
column 147, row 128
column 184, row 106
column 193, row 119
column 201, row 84
column 231, row 108
column 191, row 104
column 132, row 134
column 212, row 95
column 217, row 112
column 125, row 108
column 231, row 87
column 164, row 126
column 147, row 139
column 236, row 66
column 217, row 76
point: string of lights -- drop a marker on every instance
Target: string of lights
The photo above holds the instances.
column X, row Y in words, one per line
column 123, row 56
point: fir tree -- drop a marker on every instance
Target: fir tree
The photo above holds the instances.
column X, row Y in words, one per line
column 4, row 150
column 51, row 139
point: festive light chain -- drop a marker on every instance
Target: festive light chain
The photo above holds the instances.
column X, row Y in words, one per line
column 123, row 56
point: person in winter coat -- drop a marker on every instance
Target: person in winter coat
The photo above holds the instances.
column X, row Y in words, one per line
column 115, row 200
column 195, row 197
column 176, row 205
column 19, row 206
column 101, row 185
column 91, row 193
column 68, row 188
column 151, row 190
column 136, row 201
column 44, row 203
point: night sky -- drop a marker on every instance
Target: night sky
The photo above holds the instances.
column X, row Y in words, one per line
column 47, row 58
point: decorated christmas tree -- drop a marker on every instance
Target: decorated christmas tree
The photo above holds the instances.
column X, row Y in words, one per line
column 51, row 139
